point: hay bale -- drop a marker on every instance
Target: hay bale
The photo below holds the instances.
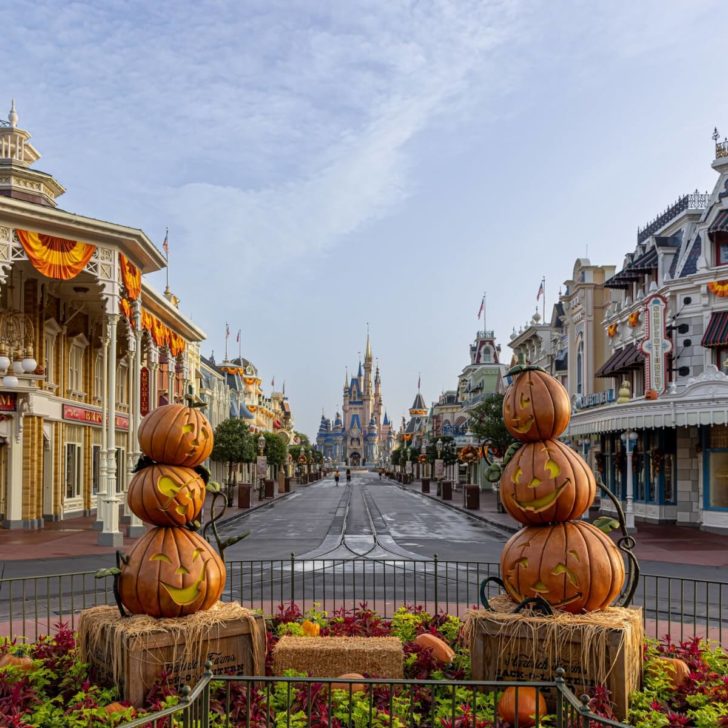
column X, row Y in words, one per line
column 597, row 648
column 132, row 652
column 334, row 656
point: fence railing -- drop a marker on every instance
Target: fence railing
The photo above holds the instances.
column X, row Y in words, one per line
column 235, row 700
column 31, row 606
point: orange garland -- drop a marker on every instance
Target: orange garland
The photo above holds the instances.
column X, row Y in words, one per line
column 718, row 288
column 131, row 276
column 612, row 330
column 162, row 335
column 633, row 319
column 53, row 257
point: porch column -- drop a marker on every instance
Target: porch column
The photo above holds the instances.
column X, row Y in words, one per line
column 111, row 535
column 136, row 527
column 171, row 375
column 103, row 469
column 153, row 373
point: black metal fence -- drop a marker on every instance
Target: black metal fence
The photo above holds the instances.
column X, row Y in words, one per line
column 302, row 702
column 31, row 606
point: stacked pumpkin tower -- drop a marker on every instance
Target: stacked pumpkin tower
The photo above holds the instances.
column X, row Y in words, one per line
column 171, row 571
column 547, row 486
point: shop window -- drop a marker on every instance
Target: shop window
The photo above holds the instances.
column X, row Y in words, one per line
column 98, row 392
column 721, row 358
column 73, row 470
column 718, row 474
column 120, row 469
column 122, row 384
column 721, row 248
column 95, row 469
column 580, row 368
column 51, row 330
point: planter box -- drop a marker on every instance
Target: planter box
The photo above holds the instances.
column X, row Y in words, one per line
column 425, row 485
column 471, row 497
column 599, row 648
column 118, row 653
column 244, row 495
column 446, row 490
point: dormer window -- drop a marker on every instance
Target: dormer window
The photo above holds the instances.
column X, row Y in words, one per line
column 720, row 242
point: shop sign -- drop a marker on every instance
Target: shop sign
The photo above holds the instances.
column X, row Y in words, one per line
column 439, row 469
column 261, row 466
column 595, row 399
column 656, row 345
column 144, row 391
column 408, row 467
column 8, row 401
column 75, row 413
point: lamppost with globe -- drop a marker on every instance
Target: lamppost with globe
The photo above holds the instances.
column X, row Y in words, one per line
column 629, row 439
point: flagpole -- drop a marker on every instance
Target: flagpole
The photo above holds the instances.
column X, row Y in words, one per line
column 240, row 346
column 485, row 311
column 543, row 317
column 166, row 256
column 227, row 334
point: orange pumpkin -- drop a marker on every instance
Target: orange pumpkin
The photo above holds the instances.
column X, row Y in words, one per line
column 115, row 708
column 536, row 406
column 522, row 706
column 311, row 629
column 20, row 662
column 355, row 687
column 573, row 566
column 441, row 650
column 166, row 495
column 676, row 669
column 176, row 435
column 546, row 482
column 171, row 572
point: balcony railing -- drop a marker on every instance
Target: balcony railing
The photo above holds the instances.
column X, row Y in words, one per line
column 693, row 201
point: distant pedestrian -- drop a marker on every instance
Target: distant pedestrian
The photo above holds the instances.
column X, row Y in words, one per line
column 348, row 475
column 336, row 477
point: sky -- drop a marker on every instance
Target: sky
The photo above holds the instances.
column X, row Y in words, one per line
column 322, row 166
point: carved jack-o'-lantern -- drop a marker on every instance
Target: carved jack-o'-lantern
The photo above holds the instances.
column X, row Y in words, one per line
column 546, row 482
column 171, row 572
column 166, row 495
column 176, row 435
column 536, row 406
column 573, row 566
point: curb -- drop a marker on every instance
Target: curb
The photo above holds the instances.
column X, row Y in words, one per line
column 448, row 504
column 270, row 503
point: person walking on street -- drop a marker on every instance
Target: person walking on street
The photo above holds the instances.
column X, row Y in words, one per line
column 336, row 477
column 348, row 475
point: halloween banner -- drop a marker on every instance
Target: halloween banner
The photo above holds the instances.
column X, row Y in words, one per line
column 55, row 257
column 131, row 277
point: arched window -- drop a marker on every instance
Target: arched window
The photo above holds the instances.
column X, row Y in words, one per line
column 580, row 367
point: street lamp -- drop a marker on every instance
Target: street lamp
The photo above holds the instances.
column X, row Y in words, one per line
column 438, row 447
column 261, row 444
column 629, row 438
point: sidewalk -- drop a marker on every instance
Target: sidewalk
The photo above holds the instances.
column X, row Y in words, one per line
column 76, row 537
column 662, row 543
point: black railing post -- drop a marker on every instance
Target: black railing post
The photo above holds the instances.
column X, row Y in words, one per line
column 437, row 599
column 560, row 682
column 293, row 590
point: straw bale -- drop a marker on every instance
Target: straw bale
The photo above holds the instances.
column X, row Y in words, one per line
column 596, row 648
column 132, row 652
column 334, row 656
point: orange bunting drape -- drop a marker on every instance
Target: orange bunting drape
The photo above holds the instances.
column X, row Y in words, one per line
column 125, row 307
column 162, row 335
column 131, row 277
column 53, row 257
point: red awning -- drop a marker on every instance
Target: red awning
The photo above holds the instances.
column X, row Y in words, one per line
column 717, row 332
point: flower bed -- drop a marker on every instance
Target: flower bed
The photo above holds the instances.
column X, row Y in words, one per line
column 43, row 684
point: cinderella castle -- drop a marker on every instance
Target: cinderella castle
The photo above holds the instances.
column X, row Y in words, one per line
column 364, row 435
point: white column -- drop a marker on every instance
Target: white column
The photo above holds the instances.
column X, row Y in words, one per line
column 111, row 535
column 171, row 371
column 136, row 527
column 153, row 374
column 14, row 480
column 103, row 469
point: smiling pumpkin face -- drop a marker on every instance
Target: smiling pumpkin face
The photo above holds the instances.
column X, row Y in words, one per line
column 176, row 435
column 171, row 572
column 536, row 406
column 573, row 566
column 166, row 495
column 545, row 482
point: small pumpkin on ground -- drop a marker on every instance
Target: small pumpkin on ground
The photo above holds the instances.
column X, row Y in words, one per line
column 441, row 650
column 522, row 705
column 311, row 629
column 677, row 670
column 21, row 662
column 355, row 686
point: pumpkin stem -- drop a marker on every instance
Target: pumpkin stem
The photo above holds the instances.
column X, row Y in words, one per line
column 120, row 559
column 522, row 367
column 143, row 462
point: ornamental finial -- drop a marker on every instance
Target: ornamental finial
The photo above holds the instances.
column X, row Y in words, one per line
column 716, row 135
column 13, row 115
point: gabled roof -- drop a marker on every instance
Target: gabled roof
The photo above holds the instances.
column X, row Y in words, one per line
column 419, row 403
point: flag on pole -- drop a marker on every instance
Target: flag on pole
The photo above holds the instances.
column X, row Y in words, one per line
column 273, row 382
column 237, row 338
column 419, row 381
column 482, row 306
column 540, row 289
column 227, row 329
column 165, row 244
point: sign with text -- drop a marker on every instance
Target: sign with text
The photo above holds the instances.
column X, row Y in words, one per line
column 594, row 399
column 88, row 416
column 439, row 469
column 144, row 391
column 408, row 467
column 8, row 401
column 261, row 466
column 656, row 346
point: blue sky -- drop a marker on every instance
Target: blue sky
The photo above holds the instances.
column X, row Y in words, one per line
column 323, row 165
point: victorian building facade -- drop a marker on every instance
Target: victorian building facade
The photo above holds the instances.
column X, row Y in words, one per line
column 86, row 349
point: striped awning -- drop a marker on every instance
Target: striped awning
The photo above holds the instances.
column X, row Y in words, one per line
column 720, row 224
column 646, row 262
column 621, row 361
column 717, row 332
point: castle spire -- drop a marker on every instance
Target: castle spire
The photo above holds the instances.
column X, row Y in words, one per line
column 13, row 115
column 368, row 353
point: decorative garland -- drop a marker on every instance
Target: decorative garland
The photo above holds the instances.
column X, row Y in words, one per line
column 131, row 277
column 469, row 454
column 719, row 288
column 612, row 330
column 53, row 257
column 633, row 319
